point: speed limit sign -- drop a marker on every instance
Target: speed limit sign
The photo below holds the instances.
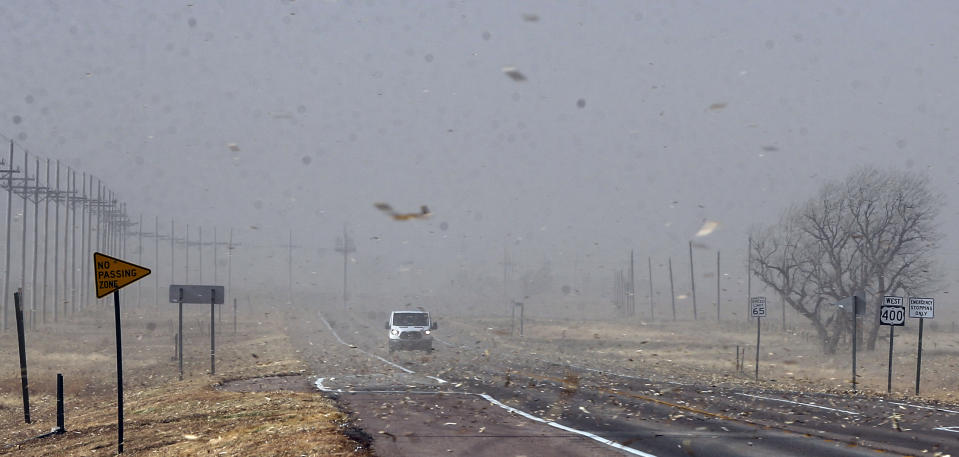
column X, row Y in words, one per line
column 757, row 306
column 892, row 311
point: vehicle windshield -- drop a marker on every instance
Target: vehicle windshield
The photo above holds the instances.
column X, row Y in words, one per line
column 407, row 319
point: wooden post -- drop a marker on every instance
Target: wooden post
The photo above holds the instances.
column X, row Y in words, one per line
column 692, row 278
column 18, row 310
column 672, row 291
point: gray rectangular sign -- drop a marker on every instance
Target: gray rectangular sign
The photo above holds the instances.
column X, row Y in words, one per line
column 197, row 294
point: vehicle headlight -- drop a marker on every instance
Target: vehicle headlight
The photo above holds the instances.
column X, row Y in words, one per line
column 427, row 332
column 394, row 332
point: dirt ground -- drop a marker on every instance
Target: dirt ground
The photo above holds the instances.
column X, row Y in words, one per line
column 706, row 351
column 231, row 413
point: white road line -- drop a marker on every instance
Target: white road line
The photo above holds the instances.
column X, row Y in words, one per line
column 387, row 361
column 811, row 405
column 613, row 444
column 334, row 331
column 320, row 385
column 513, row 410
column 602, row 440
column 952, row 429
column 944, row 410
column 565, row 428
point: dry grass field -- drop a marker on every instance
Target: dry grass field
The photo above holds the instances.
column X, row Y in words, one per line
column 706, row 351
column 164, row 416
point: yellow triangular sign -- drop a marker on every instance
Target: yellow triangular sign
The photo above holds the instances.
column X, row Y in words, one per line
column 113, row 274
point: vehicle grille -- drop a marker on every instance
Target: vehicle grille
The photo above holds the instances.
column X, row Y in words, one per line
column 411, row 335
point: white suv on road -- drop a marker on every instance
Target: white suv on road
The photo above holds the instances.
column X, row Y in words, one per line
column 409, row 330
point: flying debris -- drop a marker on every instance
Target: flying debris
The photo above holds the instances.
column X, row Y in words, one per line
column 423, row 214
column 233, row 147
column 514, row 74
column 707, row 228
column 530, row 17
column 717, row 106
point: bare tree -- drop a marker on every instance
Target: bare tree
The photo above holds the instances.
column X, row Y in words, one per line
column 874, row 231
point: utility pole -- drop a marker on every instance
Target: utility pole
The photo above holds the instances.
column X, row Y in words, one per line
column 718, row 287
column 623, row 289
column 782, row 302
column 632, row 285
column 83, row 246
column 290, row 265
column 215, row 259
column 652, row 314
column 6, row 269
column 346, row 246
column 139, row 253
column 56, row 249
column 99, row 227
column 692, row 278
column 749, row 277
column 229, row 268
column 617, row 286
column 219, row 308
column 672, row 291
column 88, row 251
column 199, row 248
column 23, row 242
column 46, row 243
column 156, row 260
column 73, row 243
column 186, row 244
column 66, row 239
column 124, row 227
column 172, row 252
column 27, row 191
column 507, row 266
column 36, row 245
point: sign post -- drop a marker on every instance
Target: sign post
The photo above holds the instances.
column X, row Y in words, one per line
column 893, row 314
column 757, row 309
column 213, row 330
column 857, row 306
column 922, row 309
column 113, row 274
column 198, row 294
column 179, row 334
column 18, row 309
